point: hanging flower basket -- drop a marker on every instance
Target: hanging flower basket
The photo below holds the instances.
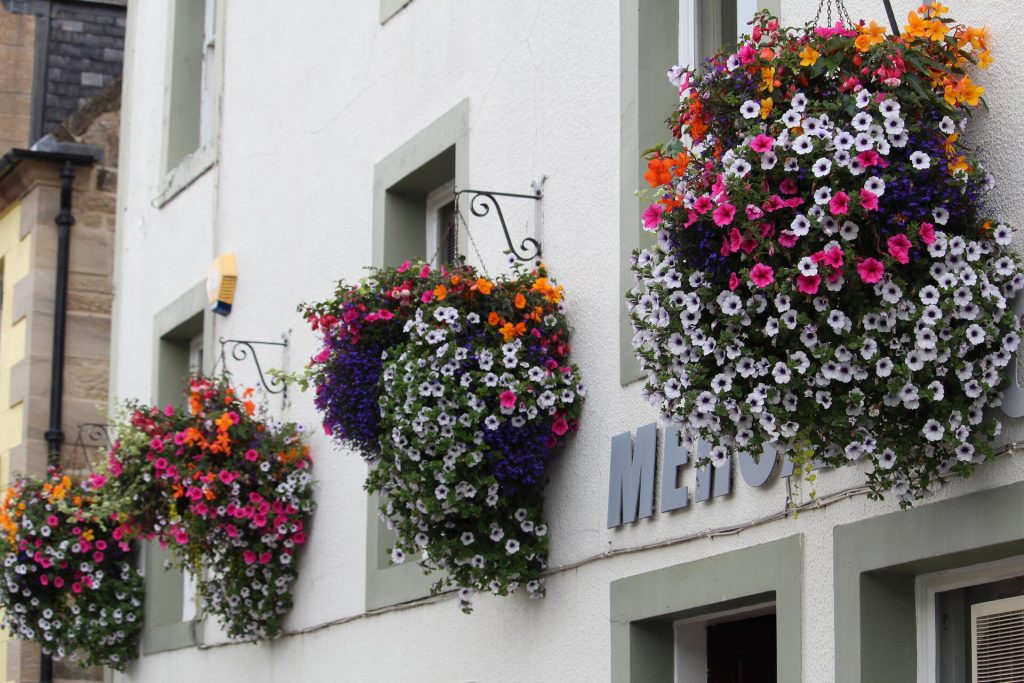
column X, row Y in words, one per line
column 228, row 489
column 69, row 578
column 827, row 276
column 458, row 390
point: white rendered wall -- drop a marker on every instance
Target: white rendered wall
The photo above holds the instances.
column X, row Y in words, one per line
column 315, row 94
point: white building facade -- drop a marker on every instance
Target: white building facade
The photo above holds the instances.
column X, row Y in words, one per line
column 283, row 133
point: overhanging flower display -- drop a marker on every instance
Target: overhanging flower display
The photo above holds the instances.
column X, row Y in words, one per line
column 827, row 277
column 228, row 489
column 69, row 578
column 457, row 389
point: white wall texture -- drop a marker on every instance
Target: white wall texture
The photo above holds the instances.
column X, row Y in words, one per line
column 315, row 93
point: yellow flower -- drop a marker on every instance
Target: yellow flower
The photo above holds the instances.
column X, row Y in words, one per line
column 768, row 78
column 766, row 107
column 984, row 59
column 937, row 9
column 809, row 56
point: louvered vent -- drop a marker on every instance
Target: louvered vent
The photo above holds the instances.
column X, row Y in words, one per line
column 997, row 641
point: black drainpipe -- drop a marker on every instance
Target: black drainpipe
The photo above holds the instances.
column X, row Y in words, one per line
column 55, row 435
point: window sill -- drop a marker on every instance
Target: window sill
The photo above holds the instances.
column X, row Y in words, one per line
column 188, row 171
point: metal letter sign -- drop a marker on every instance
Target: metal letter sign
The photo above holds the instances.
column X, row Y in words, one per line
column 673, row 497
column 631, row 480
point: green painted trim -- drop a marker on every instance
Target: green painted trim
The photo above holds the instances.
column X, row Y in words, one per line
column 646, row 98
column 164, row 597
column 173, row 326
column 183, row 78
column 644, row 607
column 402, row 180
column 876, row 562
column 389, row 8
column 386, row 583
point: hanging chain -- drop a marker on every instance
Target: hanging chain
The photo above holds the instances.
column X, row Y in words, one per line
column 458, row 218
column 843, row 14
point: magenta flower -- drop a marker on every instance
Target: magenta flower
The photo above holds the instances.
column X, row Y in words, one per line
column 249, row 556
column 868, row 200
column 404, row 267
column 652, row 216
column 899, row 248
column 734, row 282
column 762, row 275
column 560, row 426
column 808, row 284
column 724, row 214
column 425, row 271
column 870, row 270
column 762, row 143
column 927, row 233
column 839, row 204
column 508, row 399
column 703, row 204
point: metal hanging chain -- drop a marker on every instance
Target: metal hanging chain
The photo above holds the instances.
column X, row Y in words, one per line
column 457, row 218
column 843, row 14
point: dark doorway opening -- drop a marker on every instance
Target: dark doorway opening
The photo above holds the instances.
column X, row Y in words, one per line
column 742, row 651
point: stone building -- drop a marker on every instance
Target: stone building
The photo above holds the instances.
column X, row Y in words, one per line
column 55, row 55
column 84, row 154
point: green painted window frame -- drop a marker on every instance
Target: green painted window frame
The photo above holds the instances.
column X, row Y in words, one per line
column 183, row 156
column 173, row 328
column 877, row 562
column 649, row 47
column 389, row 8
column 644, row 608
column 401, row 183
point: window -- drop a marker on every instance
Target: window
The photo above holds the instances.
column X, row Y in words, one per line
column 192, row 106
column 883, row 565
column 945, row 604
column 655, row 35
column 182, row 336
column 730, row 647
column 442, row 234
column 712, row 620
column 413, row 205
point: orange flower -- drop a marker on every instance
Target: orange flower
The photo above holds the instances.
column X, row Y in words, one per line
column 520, row 301
column 767, row 104
column 959, row 164
column 984, row 59
column 508, row 331
column 951, row 144
column 440, row 292
column 964, row 92
column 455, row 280
column 809, row 56
column 483, row 286
column 249, row 391
column 223, row 422
column 659, row 171
column 767, row 78
column 551, row 293
column 493, row 318
column 178, row 490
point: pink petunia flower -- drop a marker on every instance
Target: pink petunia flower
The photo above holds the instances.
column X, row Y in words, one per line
column 899, row 248
column 762, row 275
column 788, row 239
column 404, row 267
column 754, row 213
column 762, row 143
column 833, row 257
column 507, row 399
column 747, row 54
column 703, row 204
column 734, row 282
column 249, row 556
column 724, row 214
column 788, row 186
column 425, row 271
column 870, row 270
column 839, row 204
column 808, row 284
column 559, row 426
column 868, row 200
column 927, row 233
column 652, row 216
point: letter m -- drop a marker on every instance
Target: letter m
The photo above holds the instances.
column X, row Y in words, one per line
column 631, row 478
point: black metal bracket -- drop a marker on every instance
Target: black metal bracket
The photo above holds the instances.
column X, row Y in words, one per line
column 243, row 349
column 480, row 205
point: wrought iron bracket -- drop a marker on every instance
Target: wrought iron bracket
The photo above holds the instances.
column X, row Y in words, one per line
column 480, row 204
column 242, row 349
